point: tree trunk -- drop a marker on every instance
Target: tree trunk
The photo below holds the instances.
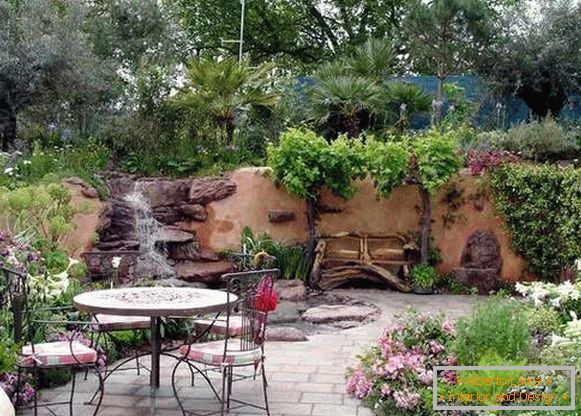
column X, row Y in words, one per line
column 426, row 224
column 8, row 129
column 309, row 254
column 439, row 104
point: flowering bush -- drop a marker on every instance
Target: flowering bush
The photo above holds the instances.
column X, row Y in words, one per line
column 395, row 376
column 481, row 160
column 565, row 298
column 9, row 383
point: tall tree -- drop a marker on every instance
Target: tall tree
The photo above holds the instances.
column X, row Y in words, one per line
column 47, row 61
column 445, row 37
column 296, row 31
column 538, row 57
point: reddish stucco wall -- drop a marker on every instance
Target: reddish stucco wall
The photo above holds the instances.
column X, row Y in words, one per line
column 256, row 195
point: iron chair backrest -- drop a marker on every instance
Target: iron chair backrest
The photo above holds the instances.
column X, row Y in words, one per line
column 14, row 283
column 244, row 284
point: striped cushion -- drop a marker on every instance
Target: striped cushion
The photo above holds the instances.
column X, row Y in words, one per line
column 53, row 354
column 213, row 353
column 119, row 323
column 219, row 326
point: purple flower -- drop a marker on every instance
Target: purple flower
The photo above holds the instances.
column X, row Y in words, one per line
column 385, row 390
column 9, row 383
column 426, row 377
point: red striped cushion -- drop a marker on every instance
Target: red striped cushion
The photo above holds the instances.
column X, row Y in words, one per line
column 213, row 353
column 54, row 354
column 119, row 323
column 219, row 326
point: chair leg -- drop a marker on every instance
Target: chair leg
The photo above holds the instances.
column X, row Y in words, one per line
column 224, row 384
column 264, row 388
column 137, row 366
column 101, row 389
column 229, row 394
column 36, row 383
column 72, row 397
column 174, row 388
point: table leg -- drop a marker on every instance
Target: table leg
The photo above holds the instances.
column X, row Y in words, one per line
column 155, row 349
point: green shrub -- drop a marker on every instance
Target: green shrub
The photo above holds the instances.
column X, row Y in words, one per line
column 540, row 141
column 497, row 326
column 542, row 320
column 423, row 276
column 541, row 206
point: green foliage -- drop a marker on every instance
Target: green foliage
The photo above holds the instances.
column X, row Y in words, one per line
column 290, row 259
column 43, row 211
column 56, row 261
column 537, row 56
column 388, row 164
column 304, row 162
column 540, row 141
column 423, row 276
column 541, row 206
column 436, row 157
column 542, row 320
column 496, row 327
column 78, row 271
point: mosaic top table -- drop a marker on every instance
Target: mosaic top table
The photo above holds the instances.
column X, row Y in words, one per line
column 153, row 302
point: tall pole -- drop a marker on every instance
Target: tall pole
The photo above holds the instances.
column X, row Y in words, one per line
column 241, row 40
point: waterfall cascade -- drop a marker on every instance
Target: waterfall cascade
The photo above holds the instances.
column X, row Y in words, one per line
column 152, row 261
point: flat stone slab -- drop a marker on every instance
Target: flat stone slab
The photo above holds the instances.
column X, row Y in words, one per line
column 171, row 234
column 324, row 314
column 205, row 272
column 292, row 290
column 285, row 334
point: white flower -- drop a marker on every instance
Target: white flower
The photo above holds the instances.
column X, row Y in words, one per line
column 9, row 171
column 558, row 341
column 115, row 262
column 26, row 162
column 556, row 302
column 578, row 264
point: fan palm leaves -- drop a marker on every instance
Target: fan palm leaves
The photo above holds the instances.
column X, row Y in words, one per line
column 226, row 91
column 343, row 102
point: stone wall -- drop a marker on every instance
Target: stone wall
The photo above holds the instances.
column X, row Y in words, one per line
column 216, row 210
column 257, row 197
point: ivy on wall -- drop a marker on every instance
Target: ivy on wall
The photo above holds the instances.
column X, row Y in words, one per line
column 541, row 205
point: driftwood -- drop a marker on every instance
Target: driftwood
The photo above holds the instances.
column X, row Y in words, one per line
column 343, row 257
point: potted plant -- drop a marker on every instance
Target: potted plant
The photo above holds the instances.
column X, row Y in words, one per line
column 423, row 279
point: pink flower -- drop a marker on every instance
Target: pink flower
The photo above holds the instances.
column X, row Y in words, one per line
column 406, row 399
column 448, row 326
column 358, row 384
column 452, row 360
column 385, row 390
column 426, row 377
column 435, row 347
column 449, row 377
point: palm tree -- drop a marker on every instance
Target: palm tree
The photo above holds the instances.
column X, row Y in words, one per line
column 344, row 103
column 405, row 100
column 226, row 91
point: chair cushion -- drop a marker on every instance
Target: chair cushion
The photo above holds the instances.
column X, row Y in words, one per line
column 213, row 353
column 104, row 322
column 219, row 326
column 55, row 354
column 6, row 408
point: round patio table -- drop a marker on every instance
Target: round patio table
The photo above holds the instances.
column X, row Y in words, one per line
column 153, row 302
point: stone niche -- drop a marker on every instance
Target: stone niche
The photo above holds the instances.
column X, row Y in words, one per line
column 481, row 262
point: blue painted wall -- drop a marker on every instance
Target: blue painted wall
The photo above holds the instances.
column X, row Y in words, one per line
column 514, row 112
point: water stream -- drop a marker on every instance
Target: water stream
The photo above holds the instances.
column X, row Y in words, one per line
column 152, row 261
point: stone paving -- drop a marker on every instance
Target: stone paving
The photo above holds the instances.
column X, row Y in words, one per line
column 305, row 378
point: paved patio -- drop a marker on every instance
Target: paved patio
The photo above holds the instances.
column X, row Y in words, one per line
column 305, row 379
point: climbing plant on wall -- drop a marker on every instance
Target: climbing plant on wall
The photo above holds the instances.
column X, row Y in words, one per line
column 428, row 161
column 542, row 209
column 304, row 163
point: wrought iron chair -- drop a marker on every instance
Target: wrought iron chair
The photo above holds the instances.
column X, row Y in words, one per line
column 244, row 350
column 244, row 285
column 70, row 349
